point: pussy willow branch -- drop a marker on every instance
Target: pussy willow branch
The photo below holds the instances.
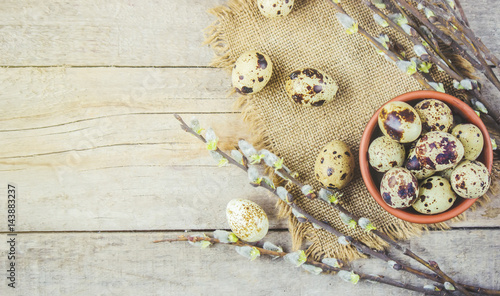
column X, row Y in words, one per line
column 391, row 242
column 463, row 27
column 481, row 66
column 493, row 112
column 462, row 13
column 324, row 267
column 433, row 43
column 393, row 56
column 440, row 34
column 361, row 247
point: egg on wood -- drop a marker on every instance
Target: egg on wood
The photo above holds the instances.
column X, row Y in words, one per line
column 399, row 188
column 251, row 72
column 334, row 166
column 434, row 196
column 470, row 179
column 384, row 154
column 400, row 122
column 275, row 8
column 471, row 138
column 311, row 87
column 435, row 115
column 414, row 166
column 247, row 220
column 439, row 151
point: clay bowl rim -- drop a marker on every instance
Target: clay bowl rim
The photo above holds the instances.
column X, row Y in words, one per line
column 467, row 113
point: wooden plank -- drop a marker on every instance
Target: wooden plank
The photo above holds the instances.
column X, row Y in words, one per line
column 136, row 33
column 38, row 97
column 129, row 263
column 96, row 33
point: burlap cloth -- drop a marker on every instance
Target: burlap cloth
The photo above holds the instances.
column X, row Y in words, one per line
column 312, row 37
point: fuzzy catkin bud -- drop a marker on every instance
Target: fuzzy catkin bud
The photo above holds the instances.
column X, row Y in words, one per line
column 344, row 240
column 236, row 155
column 246, row 148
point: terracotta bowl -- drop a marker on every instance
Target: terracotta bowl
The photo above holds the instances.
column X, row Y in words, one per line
column 372, row 178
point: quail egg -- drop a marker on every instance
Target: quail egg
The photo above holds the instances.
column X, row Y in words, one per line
column 334, row 166
column 470, row 179
column 399, row 188
column 471, row 138
column 447, row 173
column 439, row 151
column 434, row 196
column 247, row 220
column 251, row 72
column 414, row 166
column 275, row 8
column 435, row 115
column 385, row 154
column 311, row 87
column 400, row 122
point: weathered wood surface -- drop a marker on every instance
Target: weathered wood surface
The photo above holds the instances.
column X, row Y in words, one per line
column 100, row 148
column 104, row 33
column 130, row 264
column 95, row 148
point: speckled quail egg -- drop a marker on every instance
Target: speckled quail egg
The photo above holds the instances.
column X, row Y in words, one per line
column 311, row 87
column 399, row 188
column 413, row 165
column 447, row 173
column 472, row 139
column 334, row 166
column 275, row 8
column 251, row 72
column 247, row 220
column 435, row 115
column 439, row 151
column 400, row 122
column 385, row 154
column 434, row 196
column 470, row 179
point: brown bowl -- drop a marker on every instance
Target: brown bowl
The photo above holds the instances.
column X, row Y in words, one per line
column 372, row 178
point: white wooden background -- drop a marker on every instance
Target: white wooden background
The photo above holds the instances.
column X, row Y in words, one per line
column 87, row 93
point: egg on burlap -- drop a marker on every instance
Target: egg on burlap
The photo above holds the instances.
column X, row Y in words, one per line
column 275, row 8
column 251, row 72
column 334, row 166
column 310, row 87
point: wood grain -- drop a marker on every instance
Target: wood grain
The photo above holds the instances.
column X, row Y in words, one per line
column 96, row 33
column 99, row 149
column 130, row 264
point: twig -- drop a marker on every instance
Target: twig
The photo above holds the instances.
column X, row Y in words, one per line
column 463, row 25
column 361, row 247
column 462, row 13
column 432, row 265
column 440, row 34
column 429, row 39
column 394, row 57
column 473, row 45
column 324, row 267
column 186, row 128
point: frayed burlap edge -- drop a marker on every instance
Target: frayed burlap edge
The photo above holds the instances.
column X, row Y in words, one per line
column 215, row 37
